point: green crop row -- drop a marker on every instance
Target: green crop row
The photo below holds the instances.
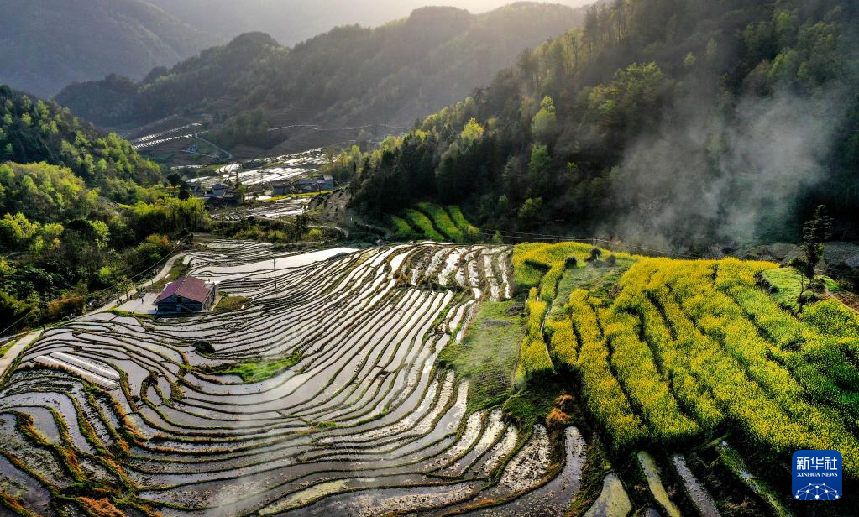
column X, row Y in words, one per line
column 603, row 393
column 832, row 318
column 729, row 356
column 637, row 372
column 434, row 223
column 534, row 356
column 442, row 221
column 470, row 231
column 402, row 229
column 685, row 348
column 423, row 223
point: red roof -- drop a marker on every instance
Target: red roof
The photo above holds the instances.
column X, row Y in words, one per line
column 186, row 287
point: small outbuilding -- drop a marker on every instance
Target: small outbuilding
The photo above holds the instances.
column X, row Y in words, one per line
column 281, row 188
column 186, row 295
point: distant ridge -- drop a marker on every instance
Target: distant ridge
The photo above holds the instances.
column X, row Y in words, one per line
column 48, row 44
column 348, row 77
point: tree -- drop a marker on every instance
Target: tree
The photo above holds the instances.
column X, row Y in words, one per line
column 174, row 179
column 690, row 60
column 101, row 233
column 540, row 168
column 530, row 211
column 712, row 50
column 472, row 131
column 544, row 124
column 815, row 232
column 16, row 230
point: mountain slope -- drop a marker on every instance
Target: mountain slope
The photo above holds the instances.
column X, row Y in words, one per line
column 48, row 44
column 297, row 20
column 34, row 131
column 81, row 214
column 676, row 123
column 348, row 77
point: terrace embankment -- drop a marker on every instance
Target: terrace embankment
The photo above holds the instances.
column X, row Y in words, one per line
column 321, row 393
column 436, row 379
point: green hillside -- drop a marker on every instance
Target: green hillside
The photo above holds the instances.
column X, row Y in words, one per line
column 33, row 131
column 675, row 123
column 81, row 213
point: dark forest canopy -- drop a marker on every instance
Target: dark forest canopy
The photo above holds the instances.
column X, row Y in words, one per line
column 349, row 76
column 677, row 122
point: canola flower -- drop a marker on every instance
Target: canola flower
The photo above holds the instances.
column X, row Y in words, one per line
column 687, row 347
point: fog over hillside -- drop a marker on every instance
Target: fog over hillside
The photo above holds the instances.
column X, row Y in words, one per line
column 292, row 21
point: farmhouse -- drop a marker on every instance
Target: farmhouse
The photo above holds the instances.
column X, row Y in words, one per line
column 228, row 197
column 188, row 294
column 218, row 190
column 281, row 187
column 317, row 184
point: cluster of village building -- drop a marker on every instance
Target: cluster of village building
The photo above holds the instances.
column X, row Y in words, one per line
column 222, row 194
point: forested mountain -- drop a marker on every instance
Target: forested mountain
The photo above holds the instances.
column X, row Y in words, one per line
column 33, row 131
column 349, row 76
column 675, row 122
column 293, row 21
column 64, row 231
column 48, row 44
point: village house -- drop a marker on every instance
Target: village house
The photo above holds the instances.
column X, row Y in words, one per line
column 186, row 295
column 255, row 191
column 317, row 184
column 281, row 188
column 229, row 197
column 217, row 190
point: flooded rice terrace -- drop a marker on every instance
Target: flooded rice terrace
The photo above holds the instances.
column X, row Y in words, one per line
column 266, row 170
column 130, row 409
column 262, row 172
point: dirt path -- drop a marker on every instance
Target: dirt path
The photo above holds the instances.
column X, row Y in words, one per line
column 131, row 294
column 27, row 340
column 849, row 299
column 16, row 350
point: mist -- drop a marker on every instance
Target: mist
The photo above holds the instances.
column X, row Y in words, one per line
column 293, row 21
column 730, row 176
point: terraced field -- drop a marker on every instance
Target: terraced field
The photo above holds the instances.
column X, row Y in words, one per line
column 112, row 411
column 349, row 384
column 278, row 209
column 678, row 355
column 435, row 223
